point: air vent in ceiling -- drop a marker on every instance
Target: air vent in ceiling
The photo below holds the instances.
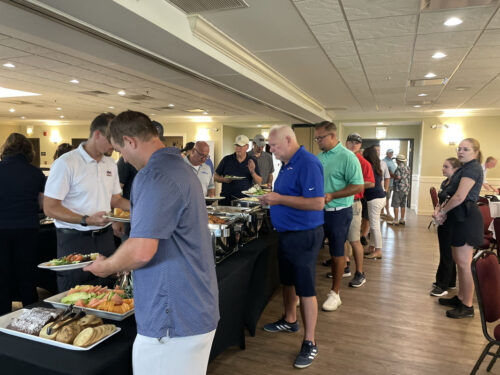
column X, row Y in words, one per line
column 199, row 6
column 428, row 82
column 164, row 108
column 93, row 93
column 433, row 5
column 336, row 109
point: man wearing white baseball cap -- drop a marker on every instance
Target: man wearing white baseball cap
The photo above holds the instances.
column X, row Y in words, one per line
column 237, row 172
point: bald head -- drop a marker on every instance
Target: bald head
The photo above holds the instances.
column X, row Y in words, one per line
column 283, row 142
column 199, row 153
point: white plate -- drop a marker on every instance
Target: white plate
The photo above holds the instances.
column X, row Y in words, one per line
column 252, row 195
column 234, row 178
column 213, row 198
column 118, row 219
column 56, row 302
column 65, row 267
column 6, row 319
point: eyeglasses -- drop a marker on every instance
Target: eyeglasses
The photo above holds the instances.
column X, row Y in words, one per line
column 466, row 149
column 203, row 156
column 320, row 137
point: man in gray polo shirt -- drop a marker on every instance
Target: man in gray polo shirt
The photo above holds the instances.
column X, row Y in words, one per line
column 264, row 159
column 170, row 251
column 196, row 159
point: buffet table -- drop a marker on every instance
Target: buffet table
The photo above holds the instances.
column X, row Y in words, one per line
column 246, row 280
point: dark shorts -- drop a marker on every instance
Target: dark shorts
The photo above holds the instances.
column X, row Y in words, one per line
column 364, row 209
column 398, row 199
column 297, row 255
column 469, row 231
column 336, row 226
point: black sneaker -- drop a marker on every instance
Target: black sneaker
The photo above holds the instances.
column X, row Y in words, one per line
column 438, row 292
column 282, row 326
column 327, row 263
column 461, row 312
column 451, row 302
column 347, row 271
column 364, row 242
column 308, row 352
column 358, row 280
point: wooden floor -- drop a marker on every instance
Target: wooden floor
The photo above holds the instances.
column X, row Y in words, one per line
column 388, row 326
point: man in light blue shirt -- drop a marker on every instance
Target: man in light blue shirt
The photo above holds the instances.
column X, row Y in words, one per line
column 169, row 249
column 392, row 167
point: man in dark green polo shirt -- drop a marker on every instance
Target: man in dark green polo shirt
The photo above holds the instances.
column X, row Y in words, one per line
column 343, row 179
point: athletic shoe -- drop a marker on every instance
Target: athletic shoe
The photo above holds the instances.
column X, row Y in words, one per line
column 438, row 292
column 332, row 302
column 364, row 242
column 451, row 302
column 389, row 217
column 327, row 262
column 282, row 326
column 307, row 353
column 402, row 222
column 461, row 312
column 329, row 275
column 358, row 280
column 347, row 271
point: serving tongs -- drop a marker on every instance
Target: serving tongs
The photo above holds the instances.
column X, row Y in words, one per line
column 68, row 313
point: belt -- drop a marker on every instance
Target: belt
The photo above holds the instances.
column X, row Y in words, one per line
column 336, row 208
column 91, row 233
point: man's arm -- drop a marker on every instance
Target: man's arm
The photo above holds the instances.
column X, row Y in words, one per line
column 387, row 181
column 300, row 203
column 132, row 254
column 345, row 192
column 221, row 179
column 369, row 184
column 270, row 180
column 252, row 167
column 54, row 208
column 117, row 201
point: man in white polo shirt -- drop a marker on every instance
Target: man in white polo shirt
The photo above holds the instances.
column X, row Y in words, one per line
column 82, row 186
column 196, row 159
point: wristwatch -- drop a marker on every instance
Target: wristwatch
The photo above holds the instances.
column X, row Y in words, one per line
column 83, row 222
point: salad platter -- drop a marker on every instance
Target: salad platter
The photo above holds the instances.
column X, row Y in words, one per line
column 69, row 262
column 255, row 192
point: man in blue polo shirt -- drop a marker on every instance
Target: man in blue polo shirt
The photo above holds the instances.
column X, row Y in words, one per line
column 169, row 249
column 241, row 165
column 343, row 179
column 296, row 213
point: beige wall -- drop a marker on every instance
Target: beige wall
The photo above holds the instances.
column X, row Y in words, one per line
column 230, row 133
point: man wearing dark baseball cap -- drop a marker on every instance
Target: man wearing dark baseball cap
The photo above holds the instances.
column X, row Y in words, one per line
column 264, row 159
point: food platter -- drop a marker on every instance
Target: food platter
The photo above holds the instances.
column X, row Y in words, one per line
column 252, row 195
column 235, row 178
column 214, row 198
column 56, row 302
column 6, row 319
column 117, row 219
column 65, row 267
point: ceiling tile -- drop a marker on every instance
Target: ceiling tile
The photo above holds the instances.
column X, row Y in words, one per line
column 384, row 27
column 449, row 40
column 7, row 52
column 452, row 54
column 495, row 22
column 331, row 32
column 386, row 59
column 481, row 63
column 25, row 46
column 489, row 38
column 361, row 9
column 389, row 45
column 484, row 52
column 317, row 12
column 441, row 69
column 346, row 62
column 40, row 62
column 473, row 19
column 387, row 69
column 340, row 49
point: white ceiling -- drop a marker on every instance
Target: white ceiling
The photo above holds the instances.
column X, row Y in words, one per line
column 351, row 58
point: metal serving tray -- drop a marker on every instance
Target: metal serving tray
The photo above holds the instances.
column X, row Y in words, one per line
column 56, row 302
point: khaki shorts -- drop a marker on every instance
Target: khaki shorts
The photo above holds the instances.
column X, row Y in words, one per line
column 355, row 228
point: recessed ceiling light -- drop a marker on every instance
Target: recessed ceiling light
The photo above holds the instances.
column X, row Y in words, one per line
column 430, row 75
column 439, row 55
column 121, row 93
column 111, row 107
column 75, row 81
column 453, row 21
column 380, row 123
column 171, row 105
column 9, row 93
column 9, row 65
column 259, row 126
column 153, row 114
column 61, row 116
column 59, row 108
column 23, row 117
column 12, row 110
column 422, row 94
column 205, row 113
column 417, row 106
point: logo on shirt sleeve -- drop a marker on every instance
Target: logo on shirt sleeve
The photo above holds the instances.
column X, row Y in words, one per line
column 108, row 173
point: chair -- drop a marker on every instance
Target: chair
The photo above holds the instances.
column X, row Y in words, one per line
column 486, row 274
column 496, row 228
column 435, row 201
column 483, row 200
column 487, row 219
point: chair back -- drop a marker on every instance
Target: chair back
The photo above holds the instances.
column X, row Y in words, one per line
column 496, row 227
column 434, row 196
column 486, row 272
column 487, row 219
column 483, row 200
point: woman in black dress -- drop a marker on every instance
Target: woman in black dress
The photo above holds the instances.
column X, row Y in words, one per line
column 466, row 224
column 446, row 274
column 21, row 194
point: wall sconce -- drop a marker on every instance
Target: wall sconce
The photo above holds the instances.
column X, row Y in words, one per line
column 55, row 136
column 439, row 126
column 452, row 134
column 380, row 133
column 29, row 130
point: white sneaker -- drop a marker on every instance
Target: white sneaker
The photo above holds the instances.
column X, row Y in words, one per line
column 332, row 302
column 402, row 222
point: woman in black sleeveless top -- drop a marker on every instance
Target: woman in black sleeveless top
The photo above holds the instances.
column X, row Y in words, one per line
column 466, row 223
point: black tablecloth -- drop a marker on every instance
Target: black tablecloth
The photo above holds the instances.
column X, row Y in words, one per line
column 246, row 279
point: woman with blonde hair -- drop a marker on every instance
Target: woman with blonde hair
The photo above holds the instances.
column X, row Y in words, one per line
column 466, row 223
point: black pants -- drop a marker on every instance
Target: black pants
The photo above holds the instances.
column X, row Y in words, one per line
column 74, row 241
column 17, row 267
column 446, row 274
